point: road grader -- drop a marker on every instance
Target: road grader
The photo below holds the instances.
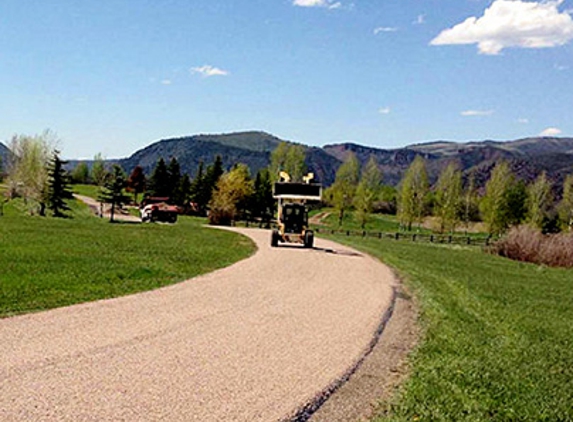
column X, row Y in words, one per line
column 292, row 215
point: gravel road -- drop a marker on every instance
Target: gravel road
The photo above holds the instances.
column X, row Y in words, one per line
column 251, row 342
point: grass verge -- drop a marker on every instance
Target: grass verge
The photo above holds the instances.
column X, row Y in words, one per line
column 497, row 335
column 49, row 262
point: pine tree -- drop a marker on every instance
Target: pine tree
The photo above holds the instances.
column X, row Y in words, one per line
column 209, row 184
column 159, row 180
column 58, row 186
column 448, row 195
column 539, row 201
column 413, row 194
column 368, row 191
column 174, row 176
column 112, row 192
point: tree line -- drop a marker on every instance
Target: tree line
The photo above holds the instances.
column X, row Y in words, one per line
column 453, row 201
column 36, row 173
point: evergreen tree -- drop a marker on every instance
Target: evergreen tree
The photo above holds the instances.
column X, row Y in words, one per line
column 196, row 187
column 159, row 181
column 368, row 191
column 174, row 175
column 209, row 184
column 136, row 182
column 539, row 201
column 112, row 192
column 263, row 203
column 183, row 193
column 58, row 186
column 342, row 191
column 566, row 204
column 413, row 194
column 448, row 198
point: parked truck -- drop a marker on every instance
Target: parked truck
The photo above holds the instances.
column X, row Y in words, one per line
column 157, row 209
column 292, row 218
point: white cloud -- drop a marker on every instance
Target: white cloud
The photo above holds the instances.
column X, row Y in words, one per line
column 166, row 82
column 420, row 20
column 384, row 29
column 523, row 120
column 330, row 4
column 208, row 70
column 551, row 131
column 512, row 23
column 384, row 110
column 470, row 113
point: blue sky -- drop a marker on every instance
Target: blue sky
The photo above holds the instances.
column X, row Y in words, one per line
column 115, row 76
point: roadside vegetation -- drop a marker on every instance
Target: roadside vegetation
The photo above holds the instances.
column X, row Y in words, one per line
column 49, row 262
column 496, row 342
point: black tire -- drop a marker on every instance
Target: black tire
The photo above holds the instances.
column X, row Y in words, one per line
column 275, row 238
column 308, row 239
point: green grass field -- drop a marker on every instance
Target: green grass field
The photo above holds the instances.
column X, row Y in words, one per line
column 48, row 262
column 498, row 335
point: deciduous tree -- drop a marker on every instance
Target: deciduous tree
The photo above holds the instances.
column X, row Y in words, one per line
column 233, row 188
column 289, row 158
column 27, row 170
column 539, row 201
column 80, row 173
column 412, row 194
column 368, row 191
column 566, row 204
column 448, row 198
column 136, row 182
column 343, row 189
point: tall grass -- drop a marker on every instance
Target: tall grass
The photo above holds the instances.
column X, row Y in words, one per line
column 526, row 244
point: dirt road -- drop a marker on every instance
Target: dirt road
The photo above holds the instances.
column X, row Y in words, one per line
column 251, row 342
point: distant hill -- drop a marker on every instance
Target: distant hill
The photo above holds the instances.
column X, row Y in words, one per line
column 251, row 148
column 4, row 154
column 527, row 157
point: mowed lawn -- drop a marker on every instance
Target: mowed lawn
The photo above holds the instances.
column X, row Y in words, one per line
column 48, row 262
column 497, row 335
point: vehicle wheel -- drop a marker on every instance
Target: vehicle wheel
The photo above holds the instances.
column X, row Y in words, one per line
column 308, row 239
column 275, row 238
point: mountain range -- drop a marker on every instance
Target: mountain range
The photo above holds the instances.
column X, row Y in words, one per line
column 527, row 157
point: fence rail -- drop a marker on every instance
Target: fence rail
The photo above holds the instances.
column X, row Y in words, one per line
column 414, row 237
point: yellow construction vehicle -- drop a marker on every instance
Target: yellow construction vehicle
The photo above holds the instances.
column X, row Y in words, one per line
column 292, row 219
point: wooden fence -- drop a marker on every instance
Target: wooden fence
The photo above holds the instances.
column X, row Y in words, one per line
column 455, row 239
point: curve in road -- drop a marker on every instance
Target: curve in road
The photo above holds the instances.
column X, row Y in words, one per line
column 251, row 342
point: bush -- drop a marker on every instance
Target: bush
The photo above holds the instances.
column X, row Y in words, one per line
column 527, row 244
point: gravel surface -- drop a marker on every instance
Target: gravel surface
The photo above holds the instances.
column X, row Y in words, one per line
column 251, row 342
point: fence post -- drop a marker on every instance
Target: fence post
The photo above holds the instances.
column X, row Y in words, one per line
column 431, row 238
column 347, row 232
column 379, row 235
column 469, row 241
column 397, row 236
column 414, row 237
column 450, row 239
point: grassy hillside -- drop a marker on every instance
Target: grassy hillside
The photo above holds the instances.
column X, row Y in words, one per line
column 497, row 339
column 47, row 262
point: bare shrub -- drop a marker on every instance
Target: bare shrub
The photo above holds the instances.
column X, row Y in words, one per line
column 527, row 244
